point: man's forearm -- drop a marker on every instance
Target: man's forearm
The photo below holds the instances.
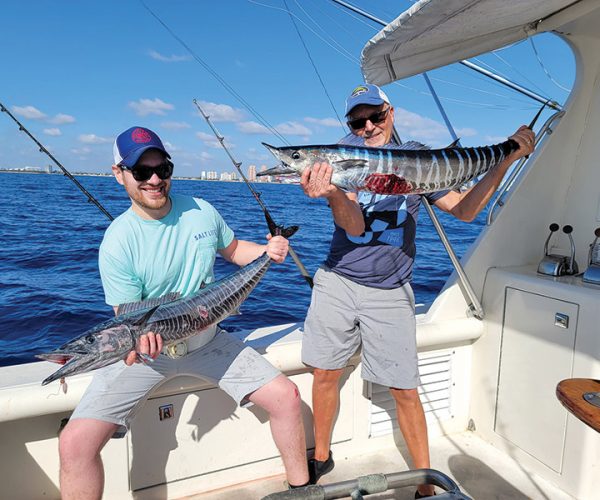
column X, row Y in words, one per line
column 347, row 213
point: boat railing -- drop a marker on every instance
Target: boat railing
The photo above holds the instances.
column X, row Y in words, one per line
column 498, row 202
column 372, row 484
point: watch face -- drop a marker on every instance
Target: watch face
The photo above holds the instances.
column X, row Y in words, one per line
column 177, row 350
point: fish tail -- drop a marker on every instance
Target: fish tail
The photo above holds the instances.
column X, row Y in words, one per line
column 277, row 230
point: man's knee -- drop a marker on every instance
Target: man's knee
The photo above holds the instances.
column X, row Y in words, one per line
column 327, row 378
column 82, row 440
column 404, row 397
column 280, row 395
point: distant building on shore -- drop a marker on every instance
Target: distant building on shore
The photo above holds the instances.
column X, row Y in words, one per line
column 252, row 173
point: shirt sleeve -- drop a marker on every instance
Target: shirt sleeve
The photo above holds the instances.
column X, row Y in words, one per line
column 225, row 234
column 118, row 280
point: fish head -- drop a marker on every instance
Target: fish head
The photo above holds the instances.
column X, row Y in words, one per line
column 294, row 160
column 96, row 348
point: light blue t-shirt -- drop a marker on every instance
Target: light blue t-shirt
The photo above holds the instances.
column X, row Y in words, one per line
column 141, row 259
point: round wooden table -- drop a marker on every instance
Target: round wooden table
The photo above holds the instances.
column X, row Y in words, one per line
column 581, row 396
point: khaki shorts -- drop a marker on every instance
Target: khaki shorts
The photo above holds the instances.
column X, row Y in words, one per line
column 344, row 316
column 118, row 391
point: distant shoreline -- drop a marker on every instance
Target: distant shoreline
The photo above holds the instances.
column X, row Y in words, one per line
column 92, row 174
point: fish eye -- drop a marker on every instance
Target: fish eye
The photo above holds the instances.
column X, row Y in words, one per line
column 90, row 339
column 295, row 155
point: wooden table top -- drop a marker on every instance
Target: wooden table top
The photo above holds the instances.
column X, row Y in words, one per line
column 570, row 392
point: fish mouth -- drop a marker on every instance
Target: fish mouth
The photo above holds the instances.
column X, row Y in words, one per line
column 72, row 363
column 281, row 169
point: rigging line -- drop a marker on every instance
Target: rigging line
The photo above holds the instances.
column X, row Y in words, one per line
column 326, row 32
column 218, row 77
column 545, row 70
column 312, row 62
column 273, row 227
column 525, row 77
column 475, row 89
column 343, row 52
column 64, row 170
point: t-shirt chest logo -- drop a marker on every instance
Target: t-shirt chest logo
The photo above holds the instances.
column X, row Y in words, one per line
column 384, row 225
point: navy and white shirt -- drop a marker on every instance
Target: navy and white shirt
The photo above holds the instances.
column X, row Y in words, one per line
column 383, row 256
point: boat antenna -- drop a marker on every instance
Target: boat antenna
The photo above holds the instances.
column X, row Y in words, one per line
column 273, row 227
column 64, row 170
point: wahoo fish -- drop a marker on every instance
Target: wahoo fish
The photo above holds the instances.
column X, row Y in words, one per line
column 174, row 318
column 392, row 171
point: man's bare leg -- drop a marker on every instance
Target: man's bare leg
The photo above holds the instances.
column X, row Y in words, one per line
column 281, row 399
column 326, row 399
column 411, row 419
column 81, row 468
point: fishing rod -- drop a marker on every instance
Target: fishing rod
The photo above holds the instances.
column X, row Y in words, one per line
column 64, row 170
column 273, row 227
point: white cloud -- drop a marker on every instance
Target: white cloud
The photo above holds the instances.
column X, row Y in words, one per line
column 28, row 112
column 204, row 156
column 293, row 128
column 170, row 147
column 175, row 125
column 286, row 128
column 155, row 106
column 325, row 122
column 211, row 141
column 93, row 139
column 61, row 119
column 168, row 59
column 466, row 132
column 221, row 112
column 418, row 127
column 252, row 128
column 81, row 151
column 494, row 139
column 52, row 131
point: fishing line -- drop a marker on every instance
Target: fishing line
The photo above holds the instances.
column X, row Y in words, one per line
column 273, row 227
column 544, row 68
column 64, row 170
column 218, row 77
column 312, row 62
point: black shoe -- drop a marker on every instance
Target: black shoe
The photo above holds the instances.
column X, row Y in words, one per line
column 418, row 495
column 317, row 468
column 292, row 487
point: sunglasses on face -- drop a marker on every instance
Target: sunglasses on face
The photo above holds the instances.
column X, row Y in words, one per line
column 145, row 172
column 375, row 118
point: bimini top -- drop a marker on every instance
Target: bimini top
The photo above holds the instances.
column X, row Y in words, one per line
column 433, row 33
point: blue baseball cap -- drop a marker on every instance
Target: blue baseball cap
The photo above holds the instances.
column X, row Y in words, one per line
column 367, row 93
column 132, row 144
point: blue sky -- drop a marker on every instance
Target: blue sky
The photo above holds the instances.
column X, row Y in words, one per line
column 77, row 73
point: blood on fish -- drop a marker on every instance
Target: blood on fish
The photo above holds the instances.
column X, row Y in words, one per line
column 387, row 184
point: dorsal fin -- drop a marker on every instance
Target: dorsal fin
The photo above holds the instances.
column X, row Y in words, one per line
column 453, row 144
column 145, row 304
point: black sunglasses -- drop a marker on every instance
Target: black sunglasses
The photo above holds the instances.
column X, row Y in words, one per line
column 145, row 172
column 375, row 118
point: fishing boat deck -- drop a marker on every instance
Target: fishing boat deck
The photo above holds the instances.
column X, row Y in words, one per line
column 481, row 471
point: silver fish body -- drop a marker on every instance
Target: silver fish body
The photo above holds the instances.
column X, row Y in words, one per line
column 174, row 320
column 392, row 171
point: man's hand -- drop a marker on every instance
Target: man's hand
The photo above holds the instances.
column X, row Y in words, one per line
column 316, row 181
column 525, row 137
column 150, row 344
column 277, row 248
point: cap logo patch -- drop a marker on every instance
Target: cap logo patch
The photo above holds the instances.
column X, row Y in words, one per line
column 359, row 90
column 140, row 136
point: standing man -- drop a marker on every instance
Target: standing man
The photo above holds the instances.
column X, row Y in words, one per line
column 362, row 294
column 168, row 243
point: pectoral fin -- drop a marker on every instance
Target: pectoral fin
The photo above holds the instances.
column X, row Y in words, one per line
column 348, row 164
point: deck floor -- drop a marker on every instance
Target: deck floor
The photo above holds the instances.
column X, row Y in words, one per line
column 481, row 471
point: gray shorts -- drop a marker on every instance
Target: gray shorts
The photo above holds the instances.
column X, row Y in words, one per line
column 344, row 315
column 117, row 391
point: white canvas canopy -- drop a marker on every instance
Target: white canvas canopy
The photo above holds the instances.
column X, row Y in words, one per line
column 434, row 33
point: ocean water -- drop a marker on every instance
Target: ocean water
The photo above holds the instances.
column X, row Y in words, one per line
column 50, row 288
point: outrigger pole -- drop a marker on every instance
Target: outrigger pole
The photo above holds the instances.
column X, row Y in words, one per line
column 64, row 170
column 270, row 222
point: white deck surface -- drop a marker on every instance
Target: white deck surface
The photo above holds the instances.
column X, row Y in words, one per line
column 481, row 471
